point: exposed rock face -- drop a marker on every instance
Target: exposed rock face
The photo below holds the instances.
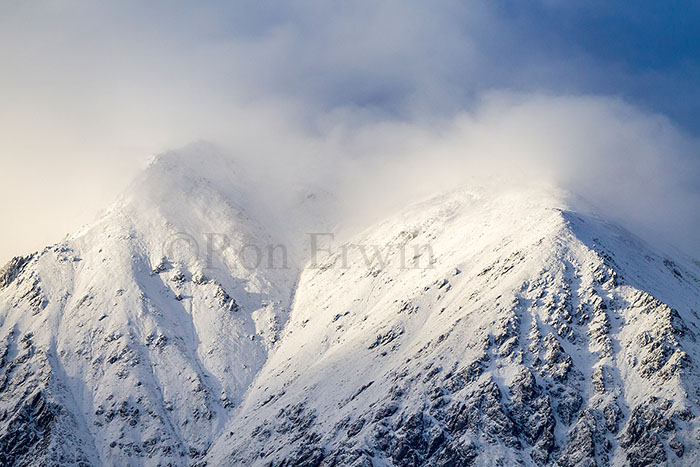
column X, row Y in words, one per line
column 37, row 429
column 12, row 269
column 526, row 335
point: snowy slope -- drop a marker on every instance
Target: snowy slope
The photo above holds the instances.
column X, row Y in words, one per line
column 536, row 336
column 475, row 328
column 134, row 346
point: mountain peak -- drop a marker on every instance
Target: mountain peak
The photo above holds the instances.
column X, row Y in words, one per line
column 476, row 324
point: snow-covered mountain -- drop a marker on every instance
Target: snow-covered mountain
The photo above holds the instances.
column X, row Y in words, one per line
column 474, row 328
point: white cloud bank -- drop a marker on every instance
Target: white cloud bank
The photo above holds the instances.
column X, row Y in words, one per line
column 425, row 95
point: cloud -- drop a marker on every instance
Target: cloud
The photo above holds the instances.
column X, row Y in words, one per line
column 628, row 165
column 346, row 91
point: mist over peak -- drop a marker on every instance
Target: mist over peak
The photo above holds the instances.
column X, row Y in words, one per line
column 611, row 158
column 380, row 104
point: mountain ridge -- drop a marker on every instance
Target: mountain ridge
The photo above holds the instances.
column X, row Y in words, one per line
column 557, row 364
column 524, row 333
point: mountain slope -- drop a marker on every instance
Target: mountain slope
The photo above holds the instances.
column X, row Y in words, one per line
column 132, row 340
column 475, row 328
column 535, row 336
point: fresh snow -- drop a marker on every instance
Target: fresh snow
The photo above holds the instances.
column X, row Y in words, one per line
column 478, row 327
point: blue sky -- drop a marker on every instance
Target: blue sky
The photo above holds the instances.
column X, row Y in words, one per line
column 647, row 52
